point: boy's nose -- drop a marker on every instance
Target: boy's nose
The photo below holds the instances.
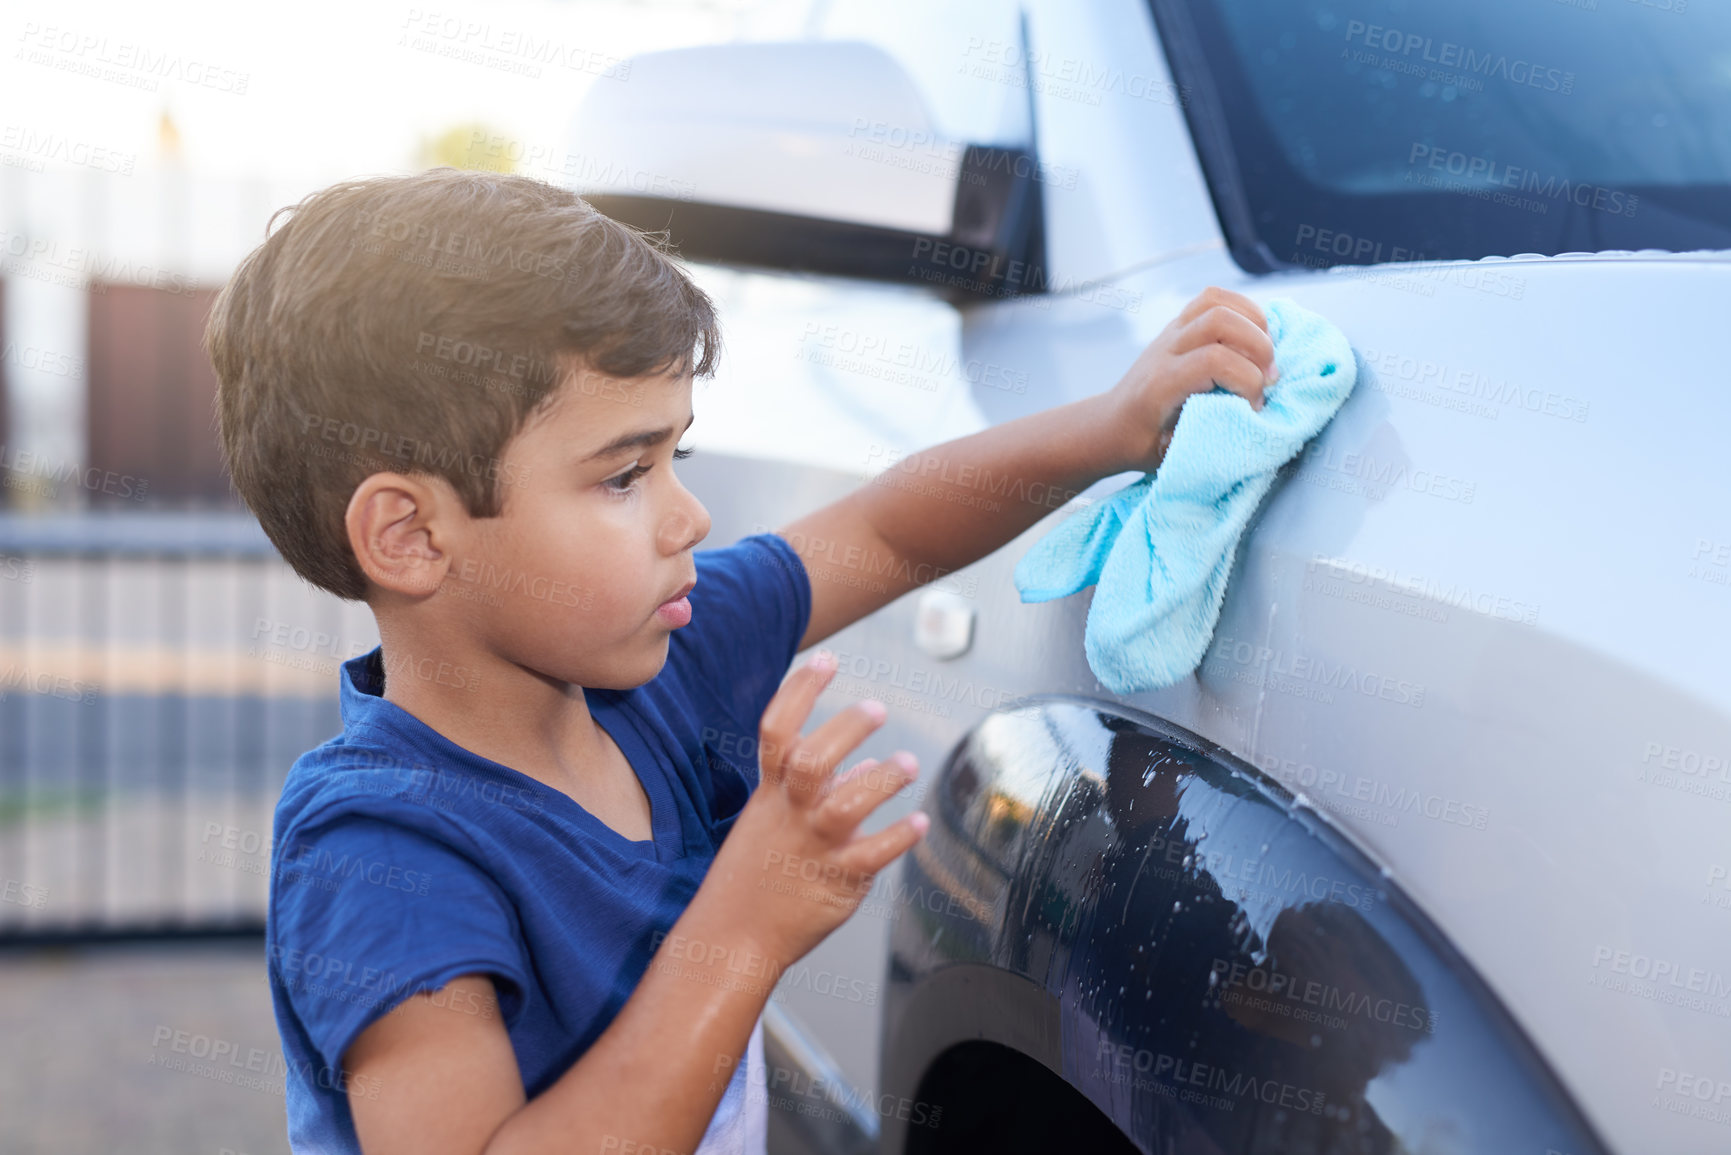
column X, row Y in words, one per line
column 687, row 525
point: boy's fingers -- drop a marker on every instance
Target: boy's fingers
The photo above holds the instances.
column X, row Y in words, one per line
column 1226, row 368
column 822, row 750
column 864, row 768
column 1231, row 328
column 857, row 793
column 804, row 778
column 784, row 717
column 1214, row 295
column 871, row 854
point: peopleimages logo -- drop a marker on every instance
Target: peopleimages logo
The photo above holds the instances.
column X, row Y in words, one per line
column 1487, row 171
column 1331, row 784
column 1475, row 66
column 1277, row 985
column 1191, row 1080
column 32, row 465
column 23, row 894
column 37, row 147
column 1456, row 595
column 1671, row 972
column 254, row 1068
column 312, row 864
column 122, row 61
column 1277, row 668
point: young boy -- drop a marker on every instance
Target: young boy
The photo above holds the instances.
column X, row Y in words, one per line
column 511, row 903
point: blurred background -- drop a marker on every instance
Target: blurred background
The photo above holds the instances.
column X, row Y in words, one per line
column 160, row 667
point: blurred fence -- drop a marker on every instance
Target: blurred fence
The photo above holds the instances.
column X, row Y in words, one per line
column 159, row 673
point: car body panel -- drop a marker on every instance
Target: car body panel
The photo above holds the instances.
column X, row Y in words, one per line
column 1543, row 701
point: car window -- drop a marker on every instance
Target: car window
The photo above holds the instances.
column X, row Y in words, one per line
column 1386, row 130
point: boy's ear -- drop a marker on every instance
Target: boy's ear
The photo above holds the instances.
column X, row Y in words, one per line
column 400, row 528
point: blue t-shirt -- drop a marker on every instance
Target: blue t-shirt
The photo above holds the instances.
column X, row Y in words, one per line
column 401, row 860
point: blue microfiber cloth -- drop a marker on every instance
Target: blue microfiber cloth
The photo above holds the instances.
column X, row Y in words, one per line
column 1160, row 549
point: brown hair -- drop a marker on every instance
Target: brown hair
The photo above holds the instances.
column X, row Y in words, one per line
column 414, row 323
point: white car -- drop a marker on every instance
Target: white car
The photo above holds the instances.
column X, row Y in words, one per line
column 1433, row 851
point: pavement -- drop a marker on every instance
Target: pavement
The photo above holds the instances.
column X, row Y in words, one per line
column 103, row 1049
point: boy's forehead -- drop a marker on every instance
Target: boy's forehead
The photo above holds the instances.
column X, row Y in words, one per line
column 594, row 409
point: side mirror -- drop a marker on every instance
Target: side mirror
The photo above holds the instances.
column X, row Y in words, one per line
column 816, row 156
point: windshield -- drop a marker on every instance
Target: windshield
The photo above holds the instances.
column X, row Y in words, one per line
column 1389, row 130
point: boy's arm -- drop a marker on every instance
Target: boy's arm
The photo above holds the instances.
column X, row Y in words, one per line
column 438, row 1075
column 424, row 1080
column 948, row 506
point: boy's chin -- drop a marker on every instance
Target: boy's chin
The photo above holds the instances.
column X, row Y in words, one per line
column 660, row 663
column 628, row 677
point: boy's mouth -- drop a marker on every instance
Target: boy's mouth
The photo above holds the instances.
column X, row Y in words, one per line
column 676, row 611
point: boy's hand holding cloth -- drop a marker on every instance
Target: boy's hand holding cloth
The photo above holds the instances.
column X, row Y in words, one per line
column 1159, row 551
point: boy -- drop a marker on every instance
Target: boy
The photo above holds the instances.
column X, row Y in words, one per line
column 511, row 903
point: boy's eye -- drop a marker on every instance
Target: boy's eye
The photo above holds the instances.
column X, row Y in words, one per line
column 623, row 482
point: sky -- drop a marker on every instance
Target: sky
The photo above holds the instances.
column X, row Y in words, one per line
column 321, row 89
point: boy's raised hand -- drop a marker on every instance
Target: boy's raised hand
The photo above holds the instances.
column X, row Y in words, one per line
column 794, row 866
column 1220, row 338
